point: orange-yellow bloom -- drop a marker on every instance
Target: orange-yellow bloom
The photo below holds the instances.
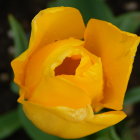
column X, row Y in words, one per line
column 69, row 72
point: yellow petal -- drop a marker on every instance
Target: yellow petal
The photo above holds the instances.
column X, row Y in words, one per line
column 18, row 65
column 117, row 50
column 38, row 67
column 70, row 123
column 91, row 83
column 56, row 91
column 54, row 24
column 48, row 26
column 75, row 90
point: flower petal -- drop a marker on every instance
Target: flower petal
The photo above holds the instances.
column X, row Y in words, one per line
column 48, row 26
column 18, row 65
column 70, row 123
column 117, row 50
column 54, row 24
column 37, row 68
column 56, row 91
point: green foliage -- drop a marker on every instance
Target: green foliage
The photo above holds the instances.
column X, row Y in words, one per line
column 127, row 135
column 132, row 96
column 106, row 134
column 20, row 40
column 125, row 130
column 14, row 87
column 9, row 123
column 129, row 22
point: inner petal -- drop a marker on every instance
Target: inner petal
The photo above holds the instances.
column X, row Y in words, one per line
column 68, row 66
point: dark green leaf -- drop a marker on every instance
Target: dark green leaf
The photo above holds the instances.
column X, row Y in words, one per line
column 129, row 22
column 9, row 123
column 127, row 135
column 89, row 9
column 125, row 129
column 106, row 134
column 132, row 96
column 112, row 134
column 14, row 87
column 20, row 40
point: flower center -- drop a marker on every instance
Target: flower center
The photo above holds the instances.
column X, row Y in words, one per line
column 68, row 66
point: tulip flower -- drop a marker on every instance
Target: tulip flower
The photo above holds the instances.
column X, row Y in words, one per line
column 70, row 72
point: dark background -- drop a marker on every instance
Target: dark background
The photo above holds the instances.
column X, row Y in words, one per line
column 24, row 11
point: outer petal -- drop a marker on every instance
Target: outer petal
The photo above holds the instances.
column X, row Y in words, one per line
column 48, row 26
column 18, row 67
column 55, row 24
column 70, row 123
column 117, row 50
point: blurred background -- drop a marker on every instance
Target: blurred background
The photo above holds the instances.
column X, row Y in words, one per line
column 15, row 27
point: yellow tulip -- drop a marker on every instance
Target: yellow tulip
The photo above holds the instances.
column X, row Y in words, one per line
column 69, row 73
